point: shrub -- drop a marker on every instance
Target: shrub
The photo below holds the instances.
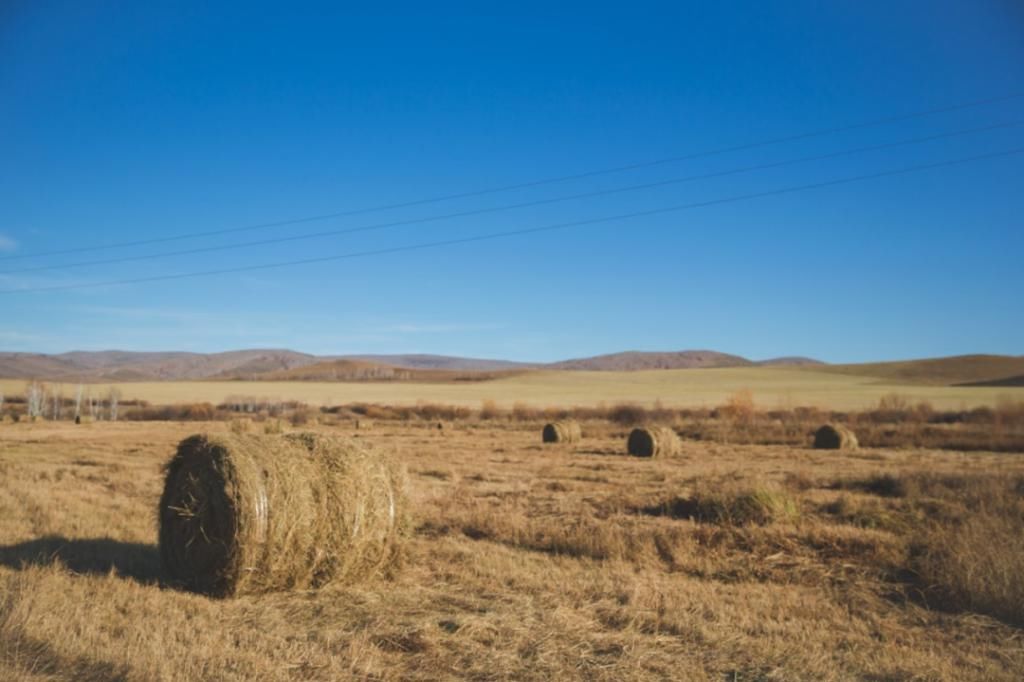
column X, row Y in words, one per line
column 739, row 406
column 300, row 417
column 489, row 410
column 760, row 505
column 183, row 412
column 524, row 412
column 975, row 566
column 627, row 414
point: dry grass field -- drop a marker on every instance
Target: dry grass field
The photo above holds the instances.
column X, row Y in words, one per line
column 771, row 387
column 728, row 562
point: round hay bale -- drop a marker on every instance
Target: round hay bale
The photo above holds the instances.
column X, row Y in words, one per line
column 567, row 431
column 248, row 513
column 653, row 441
column 835, row 437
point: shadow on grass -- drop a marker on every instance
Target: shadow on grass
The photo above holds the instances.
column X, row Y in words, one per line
column 36, row 657
column 602, row 452
column 675, row 508
column 135, row 560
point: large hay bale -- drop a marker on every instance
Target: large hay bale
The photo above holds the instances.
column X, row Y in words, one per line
column 246, row 513
column 653, row 441
column 835, row 437
column 566, row 431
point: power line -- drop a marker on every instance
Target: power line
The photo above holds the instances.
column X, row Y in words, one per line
column 524, row 231
column 525, row 185
column 506, row 207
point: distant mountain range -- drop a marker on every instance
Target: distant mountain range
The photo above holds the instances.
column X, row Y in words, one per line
column 684, row 359
column 279, row 364
column 287, row 365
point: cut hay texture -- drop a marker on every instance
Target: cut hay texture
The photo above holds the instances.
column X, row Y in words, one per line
column 759, row 505
column 567, row 431
column 247, row 513
column 653, row 441
column 835, row 437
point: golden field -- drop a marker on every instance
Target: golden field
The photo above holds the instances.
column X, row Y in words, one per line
column 771, row 387
column 729, row 562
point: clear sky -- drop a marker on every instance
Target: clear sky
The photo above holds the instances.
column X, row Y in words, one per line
column 127, row 121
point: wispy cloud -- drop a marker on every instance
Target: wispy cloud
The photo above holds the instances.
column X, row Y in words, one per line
column 7, row 244
column 19, row 336
column 412, row 328
column 181, row 316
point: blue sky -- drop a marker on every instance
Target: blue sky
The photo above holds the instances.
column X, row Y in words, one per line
column 124, row 121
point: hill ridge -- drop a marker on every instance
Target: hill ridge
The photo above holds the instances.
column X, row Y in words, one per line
column 284, row 364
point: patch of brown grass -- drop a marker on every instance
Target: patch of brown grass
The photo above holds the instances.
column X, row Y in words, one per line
column 530, row 563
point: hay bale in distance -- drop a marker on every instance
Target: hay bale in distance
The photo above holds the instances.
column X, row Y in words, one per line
column 653, row 441
column 835, row 437
column 566, row 431
column 363, row 424
column 247, row 513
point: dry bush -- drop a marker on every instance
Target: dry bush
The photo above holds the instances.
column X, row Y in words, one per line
column 273, row 426
column 301, row 416
column 556, row 413
column 627, row 414
column 179, row 412
column 438, row 412
column 972, row 551
column 489, row 410
column 248, row 514
column 524, row 412
column 740, row 406
column 966, row 533
column 732, row 504
column 761, row 505
column 243, row 425
column 893, row 402
column 976, row 565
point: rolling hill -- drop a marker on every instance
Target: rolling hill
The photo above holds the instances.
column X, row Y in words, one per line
column 637, row 360
column 363, row 370
column 287, row 365
column 979, row 370
column 131, row 366
column 445, row 362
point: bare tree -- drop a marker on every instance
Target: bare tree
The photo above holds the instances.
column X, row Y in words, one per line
column 113, row 398
column 94, row 407
column 78, row 402
column 35, row 399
